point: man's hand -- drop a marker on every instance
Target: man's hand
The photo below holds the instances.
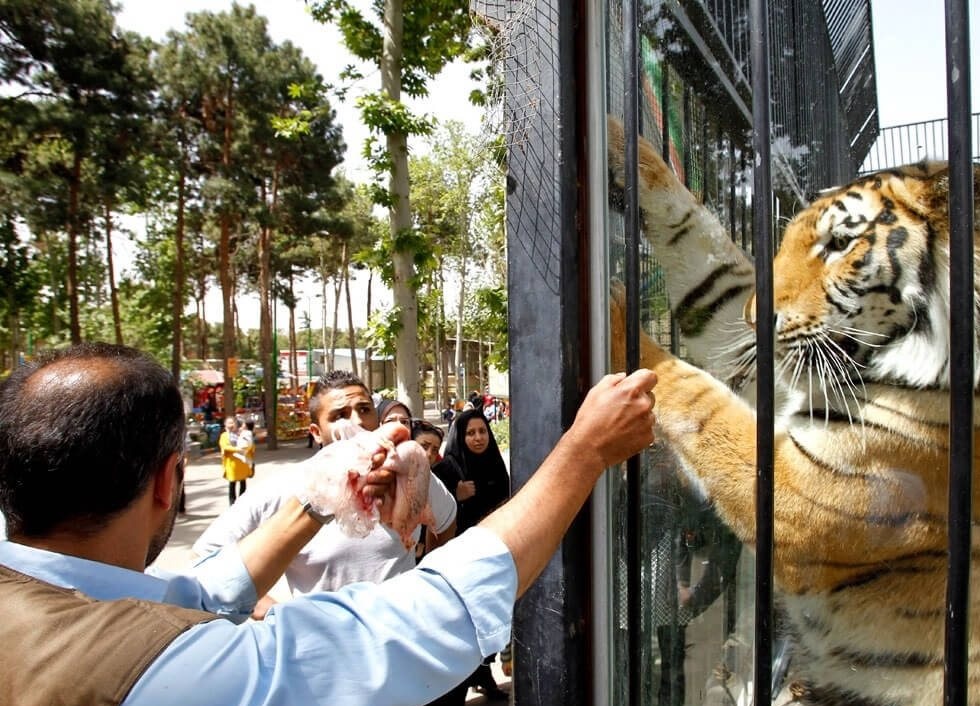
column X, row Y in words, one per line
column 268, row 550
column 380, row 481
column 263, row 606
column 616, row 418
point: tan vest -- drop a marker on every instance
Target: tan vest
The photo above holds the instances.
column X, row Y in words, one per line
column 58, row 646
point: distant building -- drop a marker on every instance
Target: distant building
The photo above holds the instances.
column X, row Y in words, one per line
column 311, row 364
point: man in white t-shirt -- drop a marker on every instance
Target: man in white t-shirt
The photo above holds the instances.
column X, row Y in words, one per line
column 331, row 559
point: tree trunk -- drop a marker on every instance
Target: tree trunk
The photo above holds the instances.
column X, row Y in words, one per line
column 400, row 216
column 328, row 362
column 459, row 360
column 438, row 369
column 202, row 320
column 369, row 351
column 266, row 353
column 13, row 314
column 443, row 361
column 177, row 343
column 74, row 325
column 337, row 284
column 479, row 364
column 293, row 360
column 110, row 273
column 351, row 338
column 229, row 349
column 436, row 366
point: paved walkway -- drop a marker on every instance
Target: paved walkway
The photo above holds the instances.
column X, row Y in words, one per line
column 207, row 497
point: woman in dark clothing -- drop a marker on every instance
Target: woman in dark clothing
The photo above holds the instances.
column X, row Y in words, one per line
column 474, row 472
column 473, row 469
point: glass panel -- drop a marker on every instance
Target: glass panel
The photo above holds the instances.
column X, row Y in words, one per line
column 697, row 582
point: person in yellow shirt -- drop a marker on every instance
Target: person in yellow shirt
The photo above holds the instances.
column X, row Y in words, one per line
column 236, row 469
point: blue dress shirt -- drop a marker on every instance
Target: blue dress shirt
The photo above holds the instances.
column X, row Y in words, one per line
column 404, row 641
column 219, row 584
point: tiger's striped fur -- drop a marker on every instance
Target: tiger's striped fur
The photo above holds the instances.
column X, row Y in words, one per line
column 861, row 444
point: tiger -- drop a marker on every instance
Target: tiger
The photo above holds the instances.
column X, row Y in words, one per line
column 861, row 304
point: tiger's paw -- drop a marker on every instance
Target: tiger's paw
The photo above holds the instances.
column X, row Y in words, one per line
column 654, row 173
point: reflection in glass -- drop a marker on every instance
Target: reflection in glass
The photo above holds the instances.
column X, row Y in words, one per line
column 697, row 583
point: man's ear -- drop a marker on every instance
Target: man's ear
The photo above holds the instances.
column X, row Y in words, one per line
column 315, row 431
column 165, row 481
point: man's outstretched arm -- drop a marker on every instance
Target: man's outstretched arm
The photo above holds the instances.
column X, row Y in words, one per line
column 614, row 422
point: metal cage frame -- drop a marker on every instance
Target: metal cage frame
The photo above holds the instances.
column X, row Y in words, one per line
column 551, row 322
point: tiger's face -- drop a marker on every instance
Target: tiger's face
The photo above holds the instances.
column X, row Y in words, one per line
column 860, row 285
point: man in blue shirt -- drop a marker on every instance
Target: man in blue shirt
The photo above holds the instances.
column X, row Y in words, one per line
column 90, row 449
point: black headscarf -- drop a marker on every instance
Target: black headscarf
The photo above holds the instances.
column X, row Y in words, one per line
column 487, row 470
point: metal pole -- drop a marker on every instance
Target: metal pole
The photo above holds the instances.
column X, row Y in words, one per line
column 631, row 128
column 961, row 324
column 762, row 242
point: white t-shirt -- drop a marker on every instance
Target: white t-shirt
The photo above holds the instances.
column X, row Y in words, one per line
column 331, row 559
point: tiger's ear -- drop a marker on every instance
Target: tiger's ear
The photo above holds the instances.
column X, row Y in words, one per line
column 939, row 189
column 922, row 188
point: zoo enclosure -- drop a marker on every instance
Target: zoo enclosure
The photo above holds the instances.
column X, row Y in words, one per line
column 695, row 77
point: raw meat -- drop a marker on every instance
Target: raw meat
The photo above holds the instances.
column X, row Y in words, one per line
column 337, row 474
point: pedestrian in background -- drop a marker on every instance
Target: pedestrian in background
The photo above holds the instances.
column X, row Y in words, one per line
column 429, row 437
column 235, row 468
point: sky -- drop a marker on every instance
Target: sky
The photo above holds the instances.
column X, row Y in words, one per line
column 910, row 60
column 909, row 38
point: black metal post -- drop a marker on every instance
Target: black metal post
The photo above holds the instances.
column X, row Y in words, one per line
column 631, row 127
column 961, row 318
column 550, row 643
column 762, row 241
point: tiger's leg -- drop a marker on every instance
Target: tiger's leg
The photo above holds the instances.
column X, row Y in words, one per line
column 713, row 432
column 708, row 277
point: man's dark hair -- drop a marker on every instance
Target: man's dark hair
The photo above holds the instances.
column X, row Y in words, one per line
column 334, row 380
column 82, row 432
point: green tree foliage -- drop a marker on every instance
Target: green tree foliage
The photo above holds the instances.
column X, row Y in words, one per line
column 81, row 87
column 409, row 44
column 231, row 90
column 98, row 125
column 458, row 205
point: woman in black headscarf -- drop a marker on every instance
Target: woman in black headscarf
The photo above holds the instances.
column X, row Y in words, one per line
column 394, row 411
column 473, row 469
column 474, row 472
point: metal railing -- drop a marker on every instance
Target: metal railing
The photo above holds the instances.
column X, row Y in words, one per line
column 914, row 142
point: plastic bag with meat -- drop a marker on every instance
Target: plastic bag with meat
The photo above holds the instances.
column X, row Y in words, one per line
column 335, row 478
